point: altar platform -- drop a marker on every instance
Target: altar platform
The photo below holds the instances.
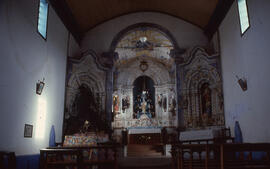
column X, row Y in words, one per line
column 144, row 136
column 143, row 130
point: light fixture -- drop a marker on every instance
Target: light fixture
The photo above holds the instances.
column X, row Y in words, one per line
column 242, row 82
column 39, row 86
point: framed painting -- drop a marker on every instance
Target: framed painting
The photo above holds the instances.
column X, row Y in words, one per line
column 28, row 130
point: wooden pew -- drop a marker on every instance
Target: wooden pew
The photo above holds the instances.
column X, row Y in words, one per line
column 244, row 155
column 79, row 157
column 223, row 156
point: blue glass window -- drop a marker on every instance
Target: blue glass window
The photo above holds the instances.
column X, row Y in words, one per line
column 42, row 18
column 243, row 15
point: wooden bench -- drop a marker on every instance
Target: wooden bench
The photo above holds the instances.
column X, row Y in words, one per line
column 221, row 156
column 79, row 157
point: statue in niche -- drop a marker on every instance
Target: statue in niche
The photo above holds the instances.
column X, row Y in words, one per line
column 115, row 104
column 164, row 103
column 86, row 112
column 125, row 103
column 143, row 93
column 172, row 105
column 159, row 99
column 206, row 101
column 143, row 105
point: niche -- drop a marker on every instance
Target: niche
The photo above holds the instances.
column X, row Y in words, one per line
column 143, row 97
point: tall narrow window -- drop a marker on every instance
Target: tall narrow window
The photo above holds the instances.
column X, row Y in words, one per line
column 243, row 15
column 42, row 18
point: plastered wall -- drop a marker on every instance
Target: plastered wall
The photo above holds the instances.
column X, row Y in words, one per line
column 26, row 58
column 247, row 57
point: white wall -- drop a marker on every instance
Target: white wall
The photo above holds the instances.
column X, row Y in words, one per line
column 25, row 59
column 100, row 38
column 248, row 57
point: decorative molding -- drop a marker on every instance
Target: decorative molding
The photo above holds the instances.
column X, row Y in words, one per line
column 143, row 66
column 177, row 54
column 199, row 69
column 122, row 33
column 107, row 59
column 84, row 55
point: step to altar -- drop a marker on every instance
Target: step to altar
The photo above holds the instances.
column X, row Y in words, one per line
column 145, row 163
column 138, row 150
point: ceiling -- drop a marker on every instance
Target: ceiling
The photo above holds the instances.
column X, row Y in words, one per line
column 82, row 15
column 89, row 13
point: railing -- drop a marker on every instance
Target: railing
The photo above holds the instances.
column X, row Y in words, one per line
column 221, row 156
column 79, row 157
column 218, row 140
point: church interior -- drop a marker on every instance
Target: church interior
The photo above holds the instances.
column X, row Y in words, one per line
column 135, row 84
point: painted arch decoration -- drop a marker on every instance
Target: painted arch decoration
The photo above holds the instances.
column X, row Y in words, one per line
column 145, row 41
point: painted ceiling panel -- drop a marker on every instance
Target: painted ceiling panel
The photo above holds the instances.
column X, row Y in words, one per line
column 89, row 13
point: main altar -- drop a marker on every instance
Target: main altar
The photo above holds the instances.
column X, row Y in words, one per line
column 145, row 85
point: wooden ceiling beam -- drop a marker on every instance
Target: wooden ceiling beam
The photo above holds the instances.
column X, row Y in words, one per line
column 217, row 17
column 63, row 11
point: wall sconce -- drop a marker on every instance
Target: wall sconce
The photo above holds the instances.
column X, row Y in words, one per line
column 243, row 83
column 39, row 87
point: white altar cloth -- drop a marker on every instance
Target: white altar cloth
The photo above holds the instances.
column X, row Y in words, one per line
column 146, row 130
column 198, row 134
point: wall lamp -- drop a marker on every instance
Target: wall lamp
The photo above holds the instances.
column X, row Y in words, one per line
column 39, row 86
column 242, row 82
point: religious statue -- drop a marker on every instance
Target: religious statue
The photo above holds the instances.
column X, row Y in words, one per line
column 206, row 100
column 172, row 105
column 86, row 126
column 125, row 103
column 159, row 100
column 164, row 103
column 115, row 104
column 143, row 105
